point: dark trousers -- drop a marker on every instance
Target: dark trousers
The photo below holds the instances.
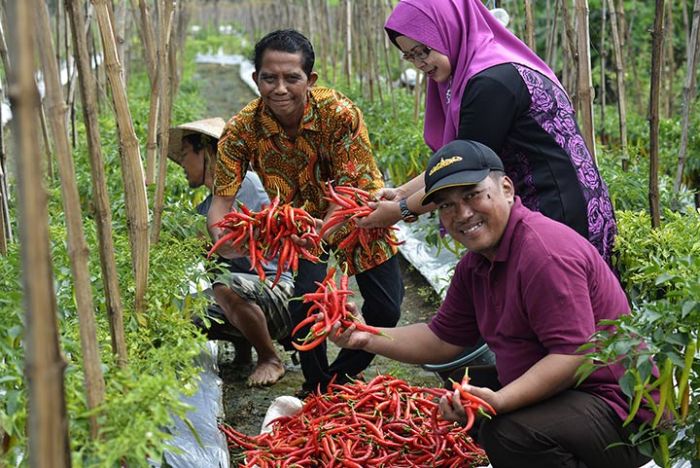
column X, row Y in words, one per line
column 573, row 429
column 382, row 291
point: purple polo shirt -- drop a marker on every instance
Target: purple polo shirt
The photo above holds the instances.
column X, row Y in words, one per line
column 544, row 293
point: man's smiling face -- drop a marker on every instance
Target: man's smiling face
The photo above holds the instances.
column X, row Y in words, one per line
column 476, row 215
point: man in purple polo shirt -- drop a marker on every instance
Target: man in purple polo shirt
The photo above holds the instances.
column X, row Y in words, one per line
column 535, row 290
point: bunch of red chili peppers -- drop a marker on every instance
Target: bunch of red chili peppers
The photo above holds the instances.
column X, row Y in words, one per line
column 331, row 299
column 385, row 422
column 353, row 204
column 472, row 404
column 266, row 234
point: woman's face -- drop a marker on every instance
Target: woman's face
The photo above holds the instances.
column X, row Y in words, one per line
column 431, row 62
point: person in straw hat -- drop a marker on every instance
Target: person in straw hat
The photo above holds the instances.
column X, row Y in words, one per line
column 248, row 312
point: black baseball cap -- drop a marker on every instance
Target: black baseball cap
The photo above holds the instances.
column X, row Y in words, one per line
column 460, row 162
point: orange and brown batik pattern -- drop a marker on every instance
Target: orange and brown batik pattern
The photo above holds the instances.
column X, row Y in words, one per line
column 332, row 144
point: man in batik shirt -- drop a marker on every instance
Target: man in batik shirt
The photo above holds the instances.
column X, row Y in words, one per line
column 298, row 138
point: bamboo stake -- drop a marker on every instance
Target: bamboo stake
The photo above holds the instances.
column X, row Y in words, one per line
column 132, row 171
column 47, row 425
column 385, row 47
column 348, row 41
column 149, row 40
column 165, row 15
column 657, row 35
column 146, row 32
column 621, row 91
column 603, row 56
column 4, row 192
column 693, row 56
column 585, row 82
column 77, row 247
column 103, row 212
column 669, row 65
column 573, row 54
column 119, row 34
column 529, row 26
column 552, row 36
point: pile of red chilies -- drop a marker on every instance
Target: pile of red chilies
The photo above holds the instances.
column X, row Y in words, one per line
column 353, row 204
column 385, row 422
column 266, row 234
column 331, row 299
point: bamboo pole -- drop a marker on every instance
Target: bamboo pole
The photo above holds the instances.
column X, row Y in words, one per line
column 348, row 41
column 550, row 57
column 119, row 34
column 387, row 64
column 6, row 62
column 77, row 247
column 146, row 32
column 165, row 16
column 585, row 81
column 693, row 56
column 4, row 192
column 530, row 26
column 657, row 35
column 103, row 212
column 603, row 56
column 669, row 64
column 572, row 71
column 47, row 425
column 132, row 171
column 148, row 39
column 3, row 217
column 620, row 76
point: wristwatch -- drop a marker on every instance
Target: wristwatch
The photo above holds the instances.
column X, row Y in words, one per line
column 407, row 215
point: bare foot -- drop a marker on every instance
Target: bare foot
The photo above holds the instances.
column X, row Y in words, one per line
column 266, row 373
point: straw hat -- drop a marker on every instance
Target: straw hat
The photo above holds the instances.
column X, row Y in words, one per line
column 213, row 127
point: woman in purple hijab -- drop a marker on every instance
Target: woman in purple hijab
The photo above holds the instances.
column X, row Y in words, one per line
column 486, row 85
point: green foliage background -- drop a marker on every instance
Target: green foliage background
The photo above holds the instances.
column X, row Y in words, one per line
column 141, row 399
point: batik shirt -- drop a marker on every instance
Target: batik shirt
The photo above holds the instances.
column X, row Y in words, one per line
column 331, row 144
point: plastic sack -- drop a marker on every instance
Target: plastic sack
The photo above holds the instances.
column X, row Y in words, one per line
column 281, row 406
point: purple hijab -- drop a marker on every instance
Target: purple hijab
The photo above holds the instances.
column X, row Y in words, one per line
column 473, row 39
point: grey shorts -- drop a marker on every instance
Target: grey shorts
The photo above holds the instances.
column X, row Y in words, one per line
column 273, row 302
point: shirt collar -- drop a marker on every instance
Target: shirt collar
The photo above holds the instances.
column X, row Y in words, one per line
column 309, row 121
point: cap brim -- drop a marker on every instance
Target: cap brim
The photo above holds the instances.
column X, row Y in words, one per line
column 458, row 179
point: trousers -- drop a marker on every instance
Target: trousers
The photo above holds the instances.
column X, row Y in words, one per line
column 382, row 291
column 572, row 429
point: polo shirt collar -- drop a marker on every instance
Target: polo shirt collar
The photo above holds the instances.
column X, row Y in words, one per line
column 517, row 213
column 481, row 264
column 309, row 121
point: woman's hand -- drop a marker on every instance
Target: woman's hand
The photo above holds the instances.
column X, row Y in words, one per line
column 386, row 213
column 350, row 338
column 390, row 193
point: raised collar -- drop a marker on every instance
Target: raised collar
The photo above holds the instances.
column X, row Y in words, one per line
column 309, row 121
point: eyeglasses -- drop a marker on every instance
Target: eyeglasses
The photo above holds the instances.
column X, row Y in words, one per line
column 418, row 53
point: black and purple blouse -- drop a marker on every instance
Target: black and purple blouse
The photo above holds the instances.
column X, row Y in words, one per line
column 529, row 122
